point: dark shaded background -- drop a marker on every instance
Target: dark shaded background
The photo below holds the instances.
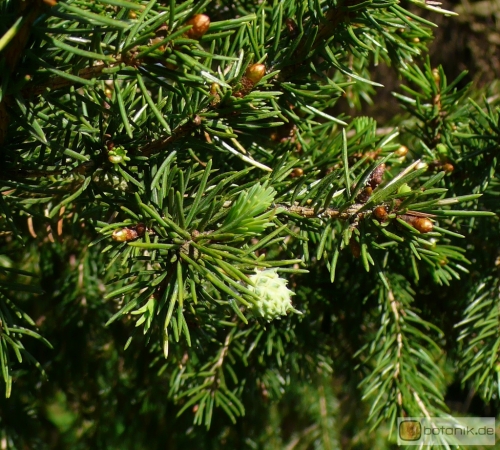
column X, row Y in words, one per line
column 469, row 41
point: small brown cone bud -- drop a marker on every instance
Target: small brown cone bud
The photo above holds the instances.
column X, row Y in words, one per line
column 436, row 75
column 157, row 40
column 129, row 234
column 215, row 94
column 255, row 72
column 448, row 168
column 200, row 23
column 213, row 89
column 124, row 235
column 380, row 213
column 292, row 27
column 422, row 224
column 140, row 228
column 365, row 194
column 377, row 176
column 355, row 248
column 401, row 151
column 372, row 156
column 297, row 172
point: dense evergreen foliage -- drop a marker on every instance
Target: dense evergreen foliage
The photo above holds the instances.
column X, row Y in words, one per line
column 201, row 249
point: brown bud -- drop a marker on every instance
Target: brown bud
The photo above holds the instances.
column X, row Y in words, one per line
column 215, row 94
column 377, row 176
column 157, row 40
column 297, row 172
column 355, row 248
column 132, row 15
column 292, row 27
column 124, row 235
column 213, row 89
column 422, row 224
column 380, row 213
column 129, row 234
column 372, row 156
column 200, row 23
column 436, row 75
column 401, row 151
column 140, row 228
column 365, row 194
column 448, row 167
column 255, row 72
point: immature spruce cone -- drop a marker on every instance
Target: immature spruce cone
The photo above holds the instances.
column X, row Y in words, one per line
column 274, row 296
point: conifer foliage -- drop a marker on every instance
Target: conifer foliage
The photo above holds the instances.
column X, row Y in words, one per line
column 199, row 248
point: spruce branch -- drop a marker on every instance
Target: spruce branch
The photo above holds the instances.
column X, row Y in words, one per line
column 405, row 370
column 180, row 173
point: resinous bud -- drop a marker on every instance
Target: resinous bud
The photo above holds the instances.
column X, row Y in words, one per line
column 401, row 151
column 448, row 168
column 255, row 72
column 422, row 224
column 201, row 24
column 380, row 213
column 124, row 235
column 436, row 75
